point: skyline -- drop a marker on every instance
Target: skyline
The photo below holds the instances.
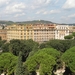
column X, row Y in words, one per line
column 58, row 11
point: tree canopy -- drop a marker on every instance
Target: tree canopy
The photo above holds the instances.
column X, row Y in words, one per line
column 7, row 62
column 26, row 46
column 60, row 45
column 69, row 58
column 42, row 60
column 19, row 66
column 68, row 37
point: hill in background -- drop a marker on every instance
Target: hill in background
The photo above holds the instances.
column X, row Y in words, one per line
column 35, row 21
column 26, row 22
column 6, row 22
column 30, row 22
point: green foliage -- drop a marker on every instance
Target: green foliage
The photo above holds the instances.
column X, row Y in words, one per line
column 68, row 37
column 26, row 46
column 60, row 45
column 73, row 33
column 14, row 46
column 5, row 47
column 55, row 44
column 7, row 62
column 42, row 45
column 69, row 58
column 19, row 67
column 43, row 61
column 34, row 50
column 50, row 51
column 2, row 42
column 72, row 43
column 66, row 44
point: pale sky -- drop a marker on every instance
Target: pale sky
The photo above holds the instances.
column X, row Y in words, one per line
column 58, row 11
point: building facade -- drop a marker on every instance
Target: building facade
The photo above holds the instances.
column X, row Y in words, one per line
column 38, row 32
column 3, row 33
column 43, row 32
column 71, row 29
column 61, row 31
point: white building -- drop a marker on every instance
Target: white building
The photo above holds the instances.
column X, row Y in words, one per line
column 61, row 31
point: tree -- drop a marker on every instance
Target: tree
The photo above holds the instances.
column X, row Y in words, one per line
column 2, row 42
column 42, row 61
column 50, row 51
column 19, row 67
column 72, row 43
column 68, row 37
column 7, row 63
column 5, row 47
column 26, row 46
column 66, row 44
column 56, row 44
column 42, row 45
column 60, row 45
column 69, row 58
column 14, row 46
column 34, row 50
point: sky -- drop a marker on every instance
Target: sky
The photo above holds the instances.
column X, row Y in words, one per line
column 58, row 11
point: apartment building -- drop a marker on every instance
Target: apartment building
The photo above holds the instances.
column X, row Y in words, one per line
column 43, row 32
column 18, row 32
column 37, row 32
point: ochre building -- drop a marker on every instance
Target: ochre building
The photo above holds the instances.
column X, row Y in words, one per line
column 37, row 32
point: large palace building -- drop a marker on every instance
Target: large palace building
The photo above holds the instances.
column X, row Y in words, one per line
column 37, row 32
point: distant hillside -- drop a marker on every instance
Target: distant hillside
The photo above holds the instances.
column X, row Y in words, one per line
column 30, row 22
column 35, row 21
column 6, row 22
column 25, row 22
